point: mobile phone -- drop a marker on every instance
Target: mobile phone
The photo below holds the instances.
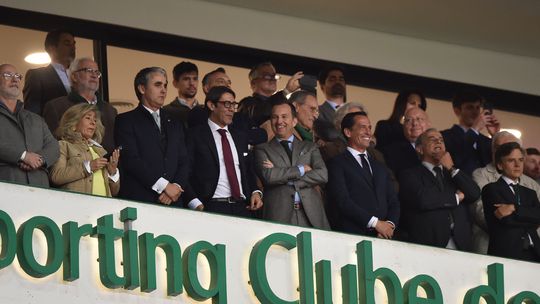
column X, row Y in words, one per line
column 308, row 83
column 488, row 108
column 109, row 154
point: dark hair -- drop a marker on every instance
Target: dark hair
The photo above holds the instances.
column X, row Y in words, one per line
column 401, row 103
column 280, row 102
column 53, row 37
column 207, row 76
column 532, row 151
column 348, row 121
column 323, row 74
column 466, row 97
column 215, row 94
column 182, row 68
column 300, row 96
column 254, row 72
column 505, row 150
column 142, row 78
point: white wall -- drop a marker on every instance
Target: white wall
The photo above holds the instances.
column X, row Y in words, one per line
column 216, row 22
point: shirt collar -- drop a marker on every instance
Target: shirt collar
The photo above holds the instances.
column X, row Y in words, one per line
column 430, row 166
column 355, row 152
column 150, row 110
column 509, row 181
column 465, row 129
column 333, row 104
column 59, row 66
column 214, row 126
column 183, row 102
column 92, row 142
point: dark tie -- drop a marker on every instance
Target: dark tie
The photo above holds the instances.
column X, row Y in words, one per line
column 229, row 164
column 365, row 164
column 439, row 176
column 285, row 144
column 516, row 192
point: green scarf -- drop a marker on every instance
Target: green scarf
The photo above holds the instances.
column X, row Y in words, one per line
column 304, row 133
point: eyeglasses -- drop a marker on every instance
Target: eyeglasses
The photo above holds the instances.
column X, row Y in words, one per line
column 228, row 104
column 10, row 76
column 273, row 77
column 410, row 120
column 90, row 71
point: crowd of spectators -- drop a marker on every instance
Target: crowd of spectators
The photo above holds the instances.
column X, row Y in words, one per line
column 275, row 155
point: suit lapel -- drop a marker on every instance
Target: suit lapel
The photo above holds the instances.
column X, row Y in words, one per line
column 506, row 192
column 428, row 175
column 358, row 168
column 208, row 138
column 53, row 75
column 276, row 146
column 297, row 147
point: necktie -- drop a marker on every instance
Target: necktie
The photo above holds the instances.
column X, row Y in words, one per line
column 516, row 192
column 155, row 115
column 229, row 164
column 365, row 164
column 285, row 144
column 439, row 176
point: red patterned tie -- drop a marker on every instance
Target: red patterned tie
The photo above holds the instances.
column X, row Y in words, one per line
column 229, row 164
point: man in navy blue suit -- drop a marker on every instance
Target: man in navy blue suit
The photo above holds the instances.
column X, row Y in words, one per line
column 154, row 156
column 361, row 197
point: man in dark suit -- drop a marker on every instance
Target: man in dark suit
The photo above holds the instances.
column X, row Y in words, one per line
column 401, row 155
column 84, row 77
column 469, row 148
column 154, row 162
column 186, row 81
column 332, row 82
column 434, row 197
column 361, row 197
column 221, row 177
column 512, row 211
column 46, row 83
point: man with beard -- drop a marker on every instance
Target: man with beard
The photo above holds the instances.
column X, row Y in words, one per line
column 84, row 77
column 332, row 82
column 532, row 164
column 434, row 197
column 46, row 83
column 186, row 81
column 27, row 147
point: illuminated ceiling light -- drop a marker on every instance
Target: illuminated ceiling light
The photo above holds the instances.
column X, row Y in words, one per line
column 38, row 58
column 515, row 132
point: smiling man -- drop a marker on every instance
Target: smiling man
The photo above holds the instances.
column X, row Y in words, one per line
column 154, row 157
column 361, row 196
column 434, row 197
column 27, row 148
column 221, row 177
column 84, row 77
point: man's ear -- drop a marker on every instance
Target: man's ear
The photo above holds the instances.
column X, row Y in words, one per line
column 499, row 166
column 457, row 111
column 419, row 150
column 141, row 88
column 175, row 83
column 295, row 121
column 347, row 133
column 210, row 106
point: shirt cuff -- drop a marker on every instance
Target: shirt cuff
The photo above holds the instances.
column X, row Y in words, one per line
column 86, row 164
column 115, row 177
column 160, row 185
column 391, row 223
column 372, row 222
column 258, row 191
column 457, row 199
column 454, row 172
column 23, row 155
column 302, row 170
column 194, row 203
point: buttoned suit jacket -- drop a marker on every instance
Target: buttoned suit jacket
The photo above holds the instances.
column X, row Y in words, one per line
column 40, row 86
column 204, row 163
column 283, row 180
column 353, row 197
column 148, row 154
column 461, row 149
column 399, row 156
column 427, row 209
column 506, row 235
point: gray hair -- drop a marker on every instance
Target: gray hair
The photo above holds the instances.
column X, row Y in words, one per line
column 254, row 72
column 299, row 97
column 344, row 109
column 500, row 135
column 74, row 66
column 143, row 76
column 422, row 137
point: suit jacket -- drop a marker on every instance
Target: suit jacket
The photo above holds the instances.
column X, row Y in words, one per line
column 283, row 180
column 327, row 114
column 400, row 155
column 427, row 209
column 507, row 235
column 482, row 177
column 148, row 154
column 40, row 86
column 204, row 169
column 258, row 108
column 460, row 146
column 354, row 197
column 55, row 109
column 25, row 131
column 179, row 111
column 69, row 171
column 388, row 132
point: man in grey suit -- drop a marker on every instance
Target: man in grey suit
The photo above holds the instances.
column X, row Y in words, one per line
column 291, row 170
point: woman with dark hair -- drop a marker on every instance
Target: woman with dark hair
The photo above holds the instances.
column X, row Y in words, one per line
column 391, row 130
column 82, row 166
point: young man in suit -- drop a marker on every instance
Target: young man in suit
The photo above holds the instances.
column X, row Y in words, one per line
column 221, row 177
column 361, row 196
column 434, row 197
column 154, row 161
column 52, row 81
column 512, row 211
column 332, row 82
column 186, row 81
column 290, row 170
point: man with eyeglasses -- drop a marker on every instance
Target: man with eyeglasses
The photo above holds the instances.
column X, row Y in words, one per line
column 221, row 176
column 46, row 83
column 263, row 80
column 434, row 197
column 84, row 77
column 401, row 155
column 27, row 148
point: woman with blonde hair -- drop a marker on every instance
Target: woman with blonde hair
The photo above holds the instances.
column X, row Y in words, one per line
column 82, row 166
